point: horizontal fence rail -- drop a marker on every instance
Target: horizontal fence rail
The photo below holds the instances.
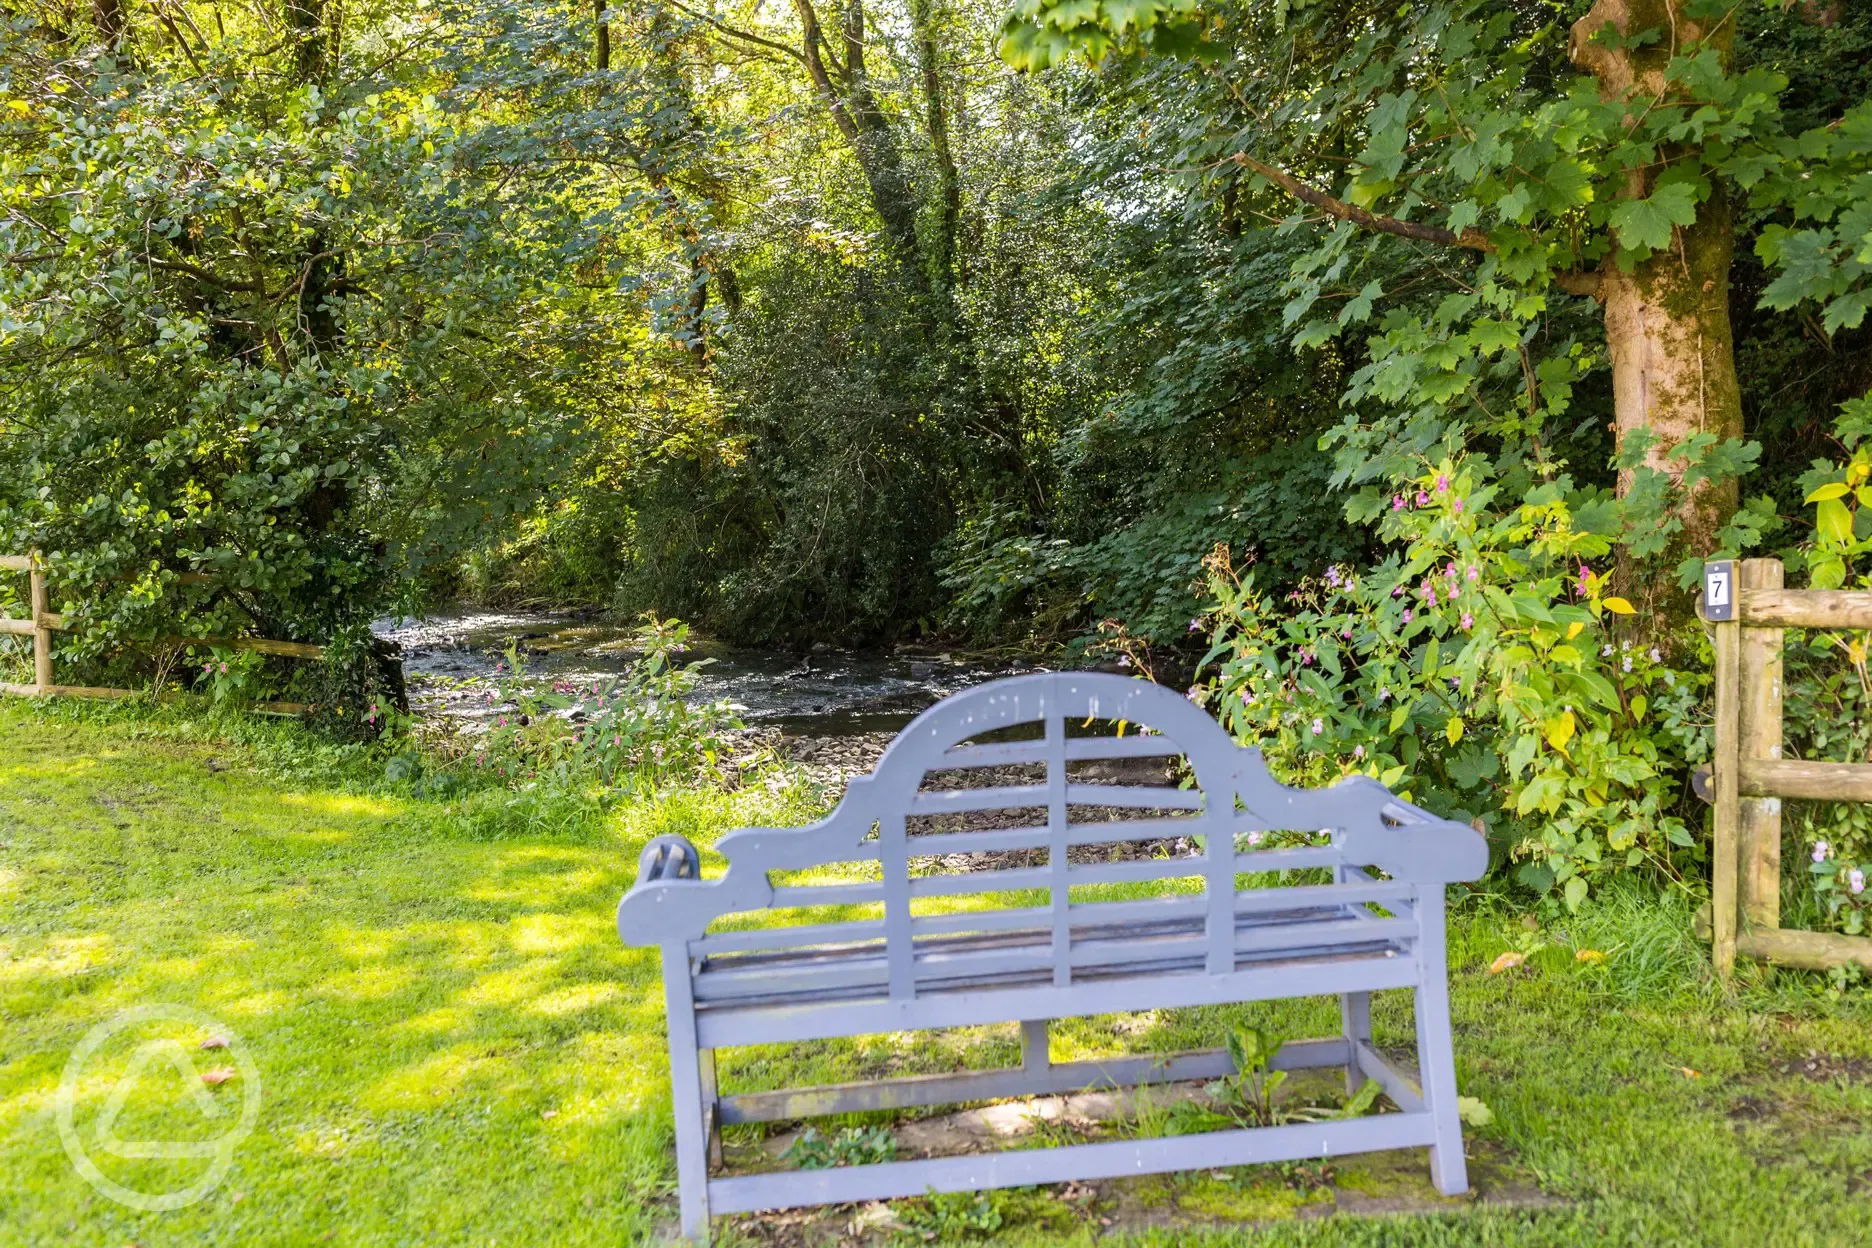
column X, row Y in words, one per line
column 1748, row 606
column 43, row 622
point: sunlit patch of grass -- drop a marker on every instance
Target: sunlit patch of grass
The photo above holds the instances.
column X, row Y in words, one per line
column 455, row 1048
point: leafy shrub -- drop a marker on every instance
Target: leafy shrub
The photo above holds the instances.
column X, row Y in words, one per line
column 1827, row 703
column 1482, row 668
column 641, row 727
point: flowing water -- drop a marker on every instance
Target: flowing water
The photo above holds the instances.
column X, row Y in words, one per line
column 825, row 693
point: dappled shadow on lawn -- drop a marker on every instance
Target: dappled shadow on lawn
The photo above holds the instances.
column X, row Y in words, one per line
column 449, row 1036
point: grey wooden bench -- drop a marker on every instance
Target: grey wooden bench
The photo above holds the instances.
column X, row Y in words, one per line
column 933, row 948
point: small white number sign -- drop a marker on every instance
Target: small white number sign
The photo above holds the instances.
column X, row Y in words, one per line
column 1719, row 590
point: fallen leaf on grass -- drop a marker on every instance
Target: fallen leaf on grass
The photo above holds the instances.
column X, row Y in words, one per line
column 1589, row 956
column 215, row 1042
column 1690, row 1074
column 219, row 1075
column 1506, row 962
column 1473, row 1112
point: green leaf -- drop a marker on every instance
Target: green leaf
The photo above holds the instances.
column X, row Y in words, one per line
column 1647, row 223
column 1833, row 521
column 1833, row 489
column 1473, row 1112
column 1575, row 893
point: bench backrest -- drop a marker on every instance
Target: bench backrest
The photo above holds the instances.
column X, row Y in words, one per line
column 1227, row 811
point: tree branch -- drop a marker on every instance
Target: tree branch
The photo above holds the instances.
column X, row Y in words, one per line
column 204, row 275
column 1472, row 240
column 733, row 33
column 1579, row 282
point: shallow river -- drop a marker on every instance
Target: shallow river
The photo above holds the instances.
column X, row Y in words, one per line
column 825, row 693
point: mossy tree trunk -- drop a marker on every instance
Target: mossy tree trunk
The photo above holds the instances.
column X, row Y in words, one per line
column 1666, row 314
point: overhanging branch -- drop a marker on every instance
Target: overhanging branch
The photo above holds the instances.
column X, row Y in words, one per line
column 1472, row 240
column 1578, row 282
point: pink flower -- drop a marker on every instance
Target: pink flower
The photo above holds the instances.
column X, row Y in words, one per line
column 1407, row 615
column 1429, row 597
column 1457, row 506
column 1442, row 484
column 224, row 669
column 1397, row 502
column 1397, row 591
column 1468, row 621
column 1472, row 573
column 1423, row 499
column 1855, row 880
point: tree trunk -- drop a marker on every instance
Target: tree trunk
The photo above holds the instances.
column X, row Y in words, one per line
column 942, row 246
column 1666, row 316
column 846, row 88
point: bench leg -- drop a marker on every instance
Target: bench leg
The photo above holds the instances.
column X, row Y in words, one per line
column 1355, row 1013
column 711, row 1106
column 686, row 1096
column 1436, row 1049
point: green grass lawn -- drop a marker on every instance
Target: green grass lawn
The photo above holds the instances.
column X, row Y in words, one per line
column 452, row 1047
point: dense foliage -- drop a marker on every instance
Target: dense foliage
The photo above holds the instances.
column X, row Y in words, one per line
column 1072, row 323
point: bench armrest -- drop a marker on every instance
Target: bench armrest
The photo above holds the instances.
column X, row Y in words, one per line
column 656, row 908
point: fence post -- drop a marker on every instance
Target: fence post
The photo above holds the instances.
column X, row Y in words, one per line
column 42, row 632
column 1723, row 907
column 1758, row 846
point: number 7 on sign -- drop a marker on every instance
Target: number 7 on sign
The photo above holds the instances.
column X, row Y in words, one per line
column 1719, row 590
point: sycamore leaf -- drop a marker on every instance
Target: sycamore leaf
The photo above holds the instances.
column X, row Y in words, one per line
column 1846, row 312
column 1647, row 223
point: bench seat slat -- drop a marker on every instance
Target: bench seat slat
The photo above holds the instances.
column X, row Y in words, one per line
column 1272, row 978
column 777, row 938
column 1170, row 948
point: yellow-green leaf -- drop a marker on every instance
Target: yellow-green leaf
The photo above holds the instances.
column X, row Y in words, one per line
column 1618, row 606
column 1453, row 730
column 1560, row 730
column 1832, row 489
column 1573, row 629
column 1833, row 520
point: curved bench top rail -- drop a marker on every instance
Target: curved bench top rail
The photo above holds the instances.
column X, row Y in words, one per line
column 1233, row 794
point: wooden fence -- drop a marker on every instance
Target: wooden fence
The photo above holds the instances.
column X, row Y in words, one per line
column 43, row 622
column 1748, row 607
